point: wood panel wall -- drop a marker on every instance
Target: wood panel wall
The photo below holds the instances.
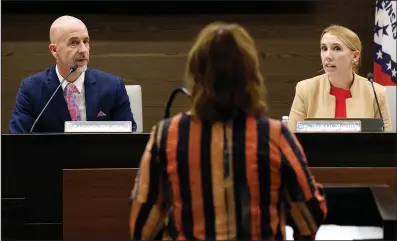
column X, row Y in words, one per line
column 151, row 50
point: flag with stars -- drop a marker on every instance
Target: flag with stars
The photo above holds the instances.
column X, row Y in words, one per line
column 385, row 67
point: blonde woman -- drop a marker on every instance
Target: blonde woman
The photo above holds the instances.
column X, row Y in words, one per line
column 340, row 92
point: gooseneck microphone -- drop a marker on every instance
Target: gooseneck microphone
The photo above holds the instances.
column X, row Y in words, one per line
column 72, row 69
column 370, row 77
column 171, row 99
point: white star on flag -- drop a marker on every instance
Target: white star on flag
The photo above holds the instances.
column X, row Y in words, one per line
column 388, row 65
column 379, row 53
column 385, row 40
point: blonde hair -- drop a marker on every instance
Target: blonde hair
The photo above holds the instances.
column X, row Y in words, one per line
column 223, row 74
column 349, row 38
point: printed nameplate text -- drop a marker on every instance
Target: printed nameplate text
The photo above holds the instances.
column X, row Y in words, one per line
column 98, row 126
column 328, row 126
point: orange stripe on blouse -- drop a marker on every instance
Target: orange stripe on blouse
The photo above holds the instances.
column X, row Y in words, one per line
column 144, row 177
column 296, row 165
column 251, row 148
column 195, row 179
column 218, row 190
column 172, row 170
column 135, row 208
column 275, row 174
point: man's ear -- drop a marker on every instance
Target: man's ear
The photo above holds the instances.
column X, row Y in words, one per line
column 53, row 50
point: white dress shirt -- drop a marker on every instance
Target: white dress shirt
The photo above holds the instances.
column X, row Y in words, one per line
column 80, row 96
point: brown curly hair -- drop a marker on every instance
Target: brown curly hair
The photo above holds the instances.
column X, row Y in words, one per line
column 223, row 74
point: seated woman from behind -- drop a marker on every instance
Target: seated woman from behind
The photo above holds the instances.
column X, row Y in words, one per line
column 340, row 92
column 223, row 170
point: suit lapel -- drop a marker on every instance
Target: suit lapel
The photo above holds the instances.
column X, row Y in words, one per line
column 58, row 104
column 91, row 96
column 328, row 111
column 353, row 107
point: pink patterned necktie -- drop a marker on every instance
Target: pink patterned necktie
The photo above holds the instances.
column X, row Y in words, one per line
column 71, row 101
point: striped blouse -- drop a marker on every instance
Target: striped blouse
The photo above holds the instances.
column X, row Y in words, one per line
column 245, row 179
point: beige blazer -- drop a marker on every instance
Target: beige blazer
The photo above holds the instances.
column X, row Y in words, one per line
column 313, row 100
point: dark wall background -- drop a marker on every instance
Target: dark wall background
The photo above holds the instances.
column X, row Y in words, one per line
column 147, row 44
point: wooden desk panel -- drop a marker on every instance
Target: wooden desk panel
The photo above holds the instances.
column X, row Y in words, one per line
column 95, row 204
column 95, row 201
column 356, row 175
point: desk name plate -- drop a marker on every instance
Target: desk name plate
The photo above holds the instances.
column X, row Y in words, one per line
column 98, row 126
column 328, row 126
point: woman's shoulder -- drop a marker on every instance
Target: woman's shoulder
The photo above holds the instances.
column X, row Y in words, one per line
column 366, row 84
column 276, row 128
column 272, row 123
column 313, row 81
column 311, row 85
column 176, row 118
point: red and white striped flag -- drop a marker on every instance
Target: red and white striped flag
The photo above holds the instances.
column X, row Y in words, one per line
column 385, row 67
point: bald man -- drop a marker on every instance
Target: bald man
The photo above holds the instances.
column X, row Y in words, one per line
column 86, row 94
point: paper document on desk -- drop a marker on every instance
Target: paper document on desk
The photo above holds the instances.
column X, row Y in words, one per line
column 336, row 232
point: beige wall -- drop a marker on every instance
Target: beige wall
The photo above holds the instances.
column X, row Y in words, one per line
column 151, row 51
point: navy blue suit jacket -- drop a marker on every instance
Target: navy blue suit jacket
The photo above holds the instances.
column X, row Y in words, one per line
column 103, row 92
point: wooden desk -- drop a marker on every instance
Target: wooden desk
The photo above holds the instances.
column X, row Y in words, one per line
column 95, row 201
column 32, row 167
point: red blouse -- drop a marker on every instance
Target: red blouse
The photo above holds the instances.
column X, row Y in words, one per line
column 340, row 106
